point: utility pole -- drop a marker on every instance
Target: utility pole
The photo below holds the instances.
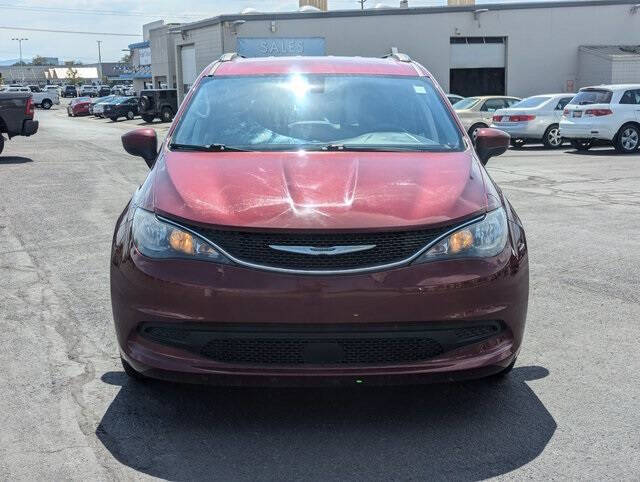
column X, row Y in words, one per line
column 362, row 2
column 100, row 61
column 20, row 40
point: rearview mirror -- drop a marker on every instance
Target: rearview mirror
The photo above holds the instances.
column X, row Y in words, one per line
column 142, row 143
column 491, row 142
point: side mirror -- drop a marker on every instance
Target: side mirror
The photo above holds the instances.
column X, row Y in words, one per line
column 142, row 143
column 491, row 142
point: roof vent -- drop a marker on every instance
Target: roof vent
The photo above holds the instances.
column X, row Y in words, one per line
column 309, row 9
column 249, row 11
column 404, row 3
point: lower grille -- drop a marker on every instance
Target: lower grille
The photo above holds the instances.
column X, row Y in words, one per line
column 296, row 345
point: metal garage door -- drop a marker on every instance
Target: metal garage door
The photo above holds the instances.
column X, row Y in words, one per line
column 477, row 66
column 188, row 62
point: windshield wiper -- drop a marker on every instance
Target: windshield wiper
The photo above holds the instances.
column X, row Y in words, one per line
column 366, row 148
column 205, row 148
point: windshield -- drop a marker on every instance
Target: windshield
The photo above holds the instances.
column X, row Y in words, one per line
column 315, row 111
column 531, row 102
column 466, row 103
column 592, row 96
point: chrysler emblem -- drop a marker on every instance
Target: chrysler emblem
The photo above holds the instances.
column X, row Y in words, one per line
column 322, row 251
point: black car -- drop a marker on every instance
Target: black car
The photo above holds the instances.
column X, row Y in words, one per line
column 122, row 107
column 104, row 90
column 16, row 116
column 69, row 91
column 162, row 103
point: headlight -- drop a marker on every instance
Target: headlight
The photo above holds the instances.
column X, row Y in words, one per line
column 156, row 239
column 483, row 239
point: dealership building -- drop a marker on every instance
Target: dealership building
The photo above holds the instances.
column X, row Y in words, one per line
column 516, row 49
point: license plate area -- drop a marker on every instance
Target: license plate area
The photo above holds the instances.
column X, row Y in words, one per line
column 577, row 113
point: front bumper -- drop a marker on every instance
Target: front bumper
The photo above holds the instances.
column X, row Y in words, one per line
column 213, row 298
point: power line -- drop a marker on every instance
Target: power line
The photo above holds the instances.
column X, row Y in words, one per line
column 72, row 31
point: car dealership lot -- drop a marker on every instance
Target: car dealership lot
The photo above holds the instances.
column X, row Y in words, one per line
column 569, row 410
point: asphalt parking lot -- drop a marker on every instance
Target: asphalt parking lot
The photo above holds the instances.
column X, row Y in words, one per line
column 570, row 409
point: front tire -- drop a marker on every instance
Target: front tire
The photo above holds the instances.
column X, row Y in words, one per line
column 148, row 118
column 167, row 114
column 113, row 119
column 46, row 104
column 130, row 115
column 552, row 138
column 1, row 143
column 582, row 145
column 628, row 139
column 517, row 143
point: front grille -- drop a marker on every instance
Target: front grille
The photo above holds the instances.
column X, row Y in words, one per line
column 296, row 345
column 390, row 247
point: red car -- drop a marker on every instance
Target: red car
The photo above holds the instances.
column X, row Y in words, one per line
column 79, row 106
column 318, row 220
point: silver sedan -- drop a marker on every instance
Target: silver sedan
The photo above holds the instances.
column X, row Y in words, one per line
column 534, row 119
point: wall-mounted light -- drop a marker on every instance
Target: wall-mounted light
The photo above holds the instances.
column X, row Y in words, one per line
column 478, row 12
column 235, row 24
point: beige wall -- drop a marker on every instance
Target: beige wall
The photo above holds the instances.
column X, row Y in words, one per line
column 542, row 43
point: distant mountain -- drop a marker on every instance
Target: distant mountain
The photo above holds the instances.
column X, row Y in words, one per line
column 5, row 63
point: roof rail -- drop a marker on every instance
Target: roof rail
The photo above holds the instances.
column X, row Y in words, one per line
column 400, row 57
column 229, row 56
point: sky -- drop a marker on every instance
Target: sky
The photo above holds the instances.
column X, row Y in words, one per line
column 122, row 17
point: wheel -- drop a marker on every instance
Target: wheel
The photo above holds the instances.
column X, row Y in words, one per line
column 552, row 138
column 1, row 144
column 130, row 115
column 114, row 119
column 473, row 131
column 582, row 145
column 167, row 114
column 628, row 139
column 517, row 143
column 148, row 118
column 130, row 371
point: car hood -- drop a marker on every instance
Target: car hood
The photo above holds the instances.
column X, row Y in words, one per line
column 318, row 190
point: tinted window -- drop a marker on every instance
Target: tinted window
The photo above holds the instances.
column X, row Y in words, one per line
column 532, row 101
column 563, row 103
column 631, row 97
column 592, row 96
column 493, row 104
column 309, row 111
column 511, row 102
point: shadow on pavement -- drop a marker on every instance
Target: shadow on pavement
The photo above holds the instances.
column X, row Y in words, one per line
column 464, row 431
column 14, row 160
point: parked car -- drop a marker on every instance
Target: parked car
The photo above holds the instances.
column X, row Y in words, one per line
column 477, row 112
column 453, row 98
column 44, row 98
column 88, row 90
column 103, row 90
column 608, row 113
column 162, row 103
column 16, row 115
column 69, row 91
column 98, row 107
column 52, row 88
column 318, row 220
column 79, row 106
column 121, row 107
column 534, row 119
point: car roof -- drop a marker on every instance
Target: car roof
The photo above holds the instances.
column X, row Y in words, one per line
column 613, row 86
column 313, row 65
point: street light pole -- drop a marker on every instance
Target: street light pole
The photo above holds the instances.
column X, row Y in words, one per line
column 20, row 40
column 100, row 60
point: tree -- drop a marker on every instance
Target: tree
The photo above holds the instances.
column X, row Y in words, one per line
column 19, row 64
column 126, row 59
column 39, row 60
column 71, row 63
column 72, row 76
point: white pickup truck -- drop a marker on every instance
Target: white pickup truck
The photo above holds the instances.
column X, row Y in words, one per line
column 44, row 99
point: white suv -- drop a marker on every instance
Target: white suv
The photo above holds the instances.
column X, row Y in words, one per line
column 88, row 91
column 606, row 112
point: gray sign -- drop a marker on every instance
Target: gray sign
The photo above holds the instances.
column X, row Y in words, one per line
column 280, row 46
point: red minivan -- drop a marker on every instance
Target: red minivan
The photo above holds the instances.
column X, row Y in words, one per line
column 318, row 220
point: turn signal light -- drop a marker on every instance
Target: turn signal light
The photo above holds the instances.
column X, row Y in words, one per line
column 565, row 112
column 597, row 112
column 181, row 241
